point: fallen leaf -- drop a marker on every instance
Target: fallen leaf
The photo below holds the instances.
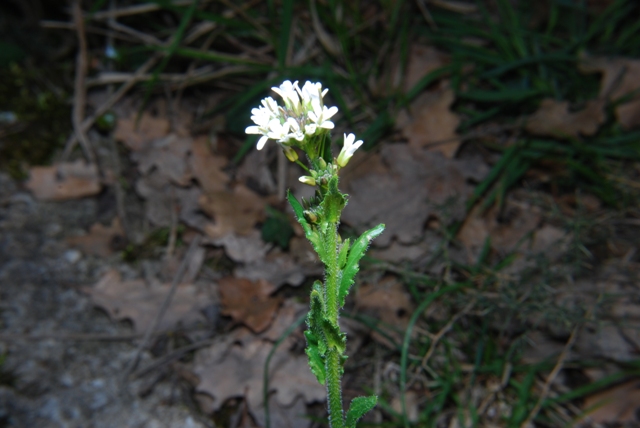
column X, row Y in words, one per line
column 255, row 172
column 289, row 313
column 207, row 168
column 100, row 240
column 64, row 181
column 244, row 249
column 235, row 210
column 429, row 122
column 419, row 184
column 136, row 135
column 248, row 302
column 388, row 302
column 139, row 302
column 506, row 228
column 169, row 156
column 553, row 119
column 618, row 405
column 620, row 78
column 277, row 268
column 237, row 371
column 163, row 197
column 605, row 341
column 422, row 60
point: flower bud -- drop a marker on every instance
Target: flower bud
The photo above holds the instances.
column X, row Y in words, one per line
column 322, row 163
column 310, row 216
column 291, row 154
column 307, row 180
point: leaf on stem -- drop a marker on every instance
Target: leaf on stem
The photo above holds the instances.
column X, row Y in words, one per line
column 342, row 256
column 335, row 338
column 333, row 202
column 310, row 234
column 352, row 267
column 357, row 409
column 316, row 343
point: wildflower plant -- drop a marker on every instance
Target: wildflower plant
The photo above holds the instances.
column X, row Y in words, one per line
column 304, row 123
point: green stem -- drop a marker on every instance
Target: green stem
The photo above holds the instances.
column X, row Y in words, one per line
column 334, row 389
column 334, row 360
column 333, row 272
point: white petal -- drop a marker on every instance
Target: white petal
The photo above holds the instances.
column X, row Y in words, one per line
column 262, row 141
column 253, row 130
column 329, row 112
column 310, row 129
column 327, row 124
column 348, row 139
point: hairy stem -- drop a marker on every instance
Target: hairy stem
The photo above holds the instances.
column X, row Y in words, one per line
column 334, row 389
column 333, row 361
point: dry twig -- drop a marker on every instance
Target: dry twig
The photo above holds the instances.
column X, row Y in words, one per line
column 80, row 95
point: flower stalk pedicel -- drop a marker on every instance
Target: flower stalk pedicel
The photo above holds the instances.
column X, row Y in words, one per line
column 304, row 122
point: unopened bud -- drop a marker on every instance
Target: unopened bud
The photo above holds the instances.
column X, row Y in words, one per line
column 311, row 216
column 291, row 154
column 307, row 180
column 322, row 163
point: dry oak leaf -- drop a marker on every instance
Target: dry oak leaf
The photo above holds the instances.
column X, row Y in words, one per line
column 207, row 168
column 101, row 240
column 169, row 156
column 237, row 371
column 69, row 180
column 138, row 302
column 278, row 268
column 618, row 405
column 136, row 136
column 165, row 201
column 429, row 122
column 422, row 60
column 418, row 184
column 235, row 210
column 248, row 302
column 553, row 119
column 505, row 227
column 621, row 79
column 388, row 302
column 248, row 248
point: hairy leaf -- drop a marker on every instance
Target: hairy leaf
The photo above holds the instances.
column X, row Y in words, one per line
column 316, row 360
column 333, row 202
column 355, row 254
column 309, row 233
column 358, row 407
column 334, row 337
column 342, row 256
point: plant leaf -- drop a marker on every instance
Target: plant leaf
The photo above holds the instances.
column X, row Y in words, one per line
column 309, row 233
column 358, row 407
column 333, row 202
column 355, row 254
column 335, row 338
column 342, row 256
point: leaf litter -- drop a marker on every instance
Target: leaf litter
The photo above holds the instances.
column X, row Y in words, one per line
column 411, row 186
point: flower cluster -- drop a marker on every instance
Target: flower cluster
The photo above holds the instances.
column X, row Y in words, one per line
column 303, row 115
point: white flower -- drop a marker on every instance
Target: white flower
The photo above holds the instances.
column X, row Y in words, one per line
column 310, row 128
column 348, row 149
column 296, row 132
column 278, row 131
column 289, row 93
column 321, row 115
column 262, row 117
column 303, row 114
column 312, row 93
